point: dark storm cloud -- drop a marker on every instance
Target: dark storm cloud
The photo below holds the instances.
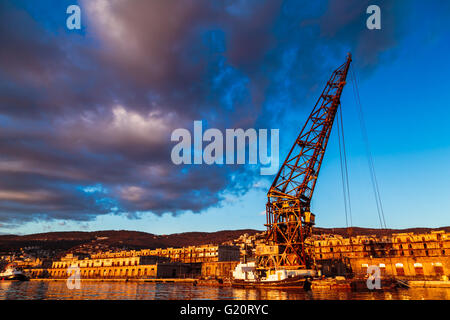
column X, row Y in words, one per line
column 86, row 118
column 342, row 23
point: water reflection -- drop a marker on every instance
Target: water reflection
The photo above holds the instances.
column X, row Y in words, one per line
column 54, row 290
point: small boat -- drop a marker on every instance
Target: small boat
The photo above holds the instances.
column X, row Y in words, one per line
column 244, row 276
column 12, row 273
column 293, row 282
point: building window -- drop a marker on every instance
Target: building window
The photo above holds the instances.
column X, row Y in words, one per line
column 418, row 268
column 399, row 269
column 382, row 269
column 364, row 267
column 438, row 269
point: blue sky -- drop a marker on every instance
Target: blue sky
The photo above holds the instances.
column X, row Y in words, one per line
column 86, row 115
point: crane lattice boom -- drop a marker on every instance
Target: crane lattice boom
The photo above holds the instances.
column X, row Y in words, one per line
column 289, row 219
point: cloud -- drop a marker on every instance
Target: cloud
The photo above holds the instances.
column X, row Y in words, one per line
column 344, row 22
column 86, row 117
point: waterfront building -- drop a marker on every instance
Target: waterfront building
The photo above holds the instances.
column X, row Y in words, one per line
column 436, row 243
column 401, row 254
column 121, row 268
column 150, row 263
column 190, row 254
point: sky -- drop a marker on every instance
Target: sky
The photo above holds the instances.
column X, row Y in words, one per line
column 86, row 115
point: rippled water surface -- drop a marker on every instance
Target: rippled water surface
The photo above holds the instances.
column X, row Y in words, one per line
column 52, row 290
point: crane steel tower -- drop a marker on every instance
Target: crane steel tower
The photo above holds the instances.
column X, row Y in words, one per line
column 289, row 218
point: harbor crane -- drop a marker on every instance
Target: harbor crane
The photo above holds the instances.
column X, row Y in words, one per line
column 289, row 220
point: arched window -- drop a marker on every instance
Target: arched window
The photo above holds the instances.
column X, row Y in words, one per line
column 399, row 269
column 438, row 268
column 382, row 269
column 418, row 268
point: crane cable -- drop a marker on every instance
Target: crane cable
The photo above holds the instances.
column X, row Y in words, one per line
column 344, row 170
column 344, row 176
column 373, row 176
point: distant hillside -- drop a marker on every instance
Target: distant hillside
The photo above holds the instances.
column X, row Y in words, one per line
column 122, row 238
column 139, row 240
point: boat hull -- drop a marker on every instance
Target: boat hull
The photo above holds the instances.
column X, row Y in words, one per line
column 294, row 282
column 300, row 282
column 15, row 277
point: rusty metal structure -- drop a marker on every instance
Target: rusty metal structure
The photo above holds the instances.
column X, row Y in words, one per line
column 289, row 220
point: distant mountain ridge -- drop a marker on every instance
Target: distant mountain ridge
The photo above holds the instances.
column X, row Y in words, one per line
column 119, row 238
column 138, row 239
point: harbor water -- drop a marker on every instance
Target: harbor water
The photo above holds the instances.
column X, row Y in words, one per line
column 91, row 290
